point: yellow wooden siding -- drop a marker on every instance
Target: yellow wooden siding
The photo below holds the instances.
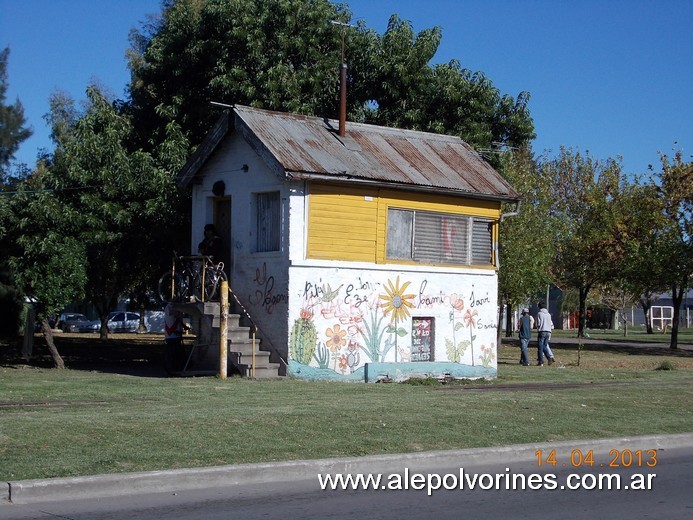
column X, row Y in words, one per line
column 341, row 223
column 350, row 223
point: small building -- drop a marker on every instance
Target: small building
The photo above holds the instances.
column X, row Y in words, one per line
column 360, row 256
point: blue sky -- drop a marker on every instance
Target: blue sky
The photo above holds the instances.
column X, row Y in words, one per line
column 612, row 77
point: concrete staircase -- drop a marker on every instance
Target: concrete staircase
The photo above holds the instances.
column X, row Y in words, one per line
column 243, row 351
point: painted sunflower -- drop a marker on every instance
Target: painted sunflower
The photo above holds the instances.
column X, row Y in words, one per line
column 396, row 302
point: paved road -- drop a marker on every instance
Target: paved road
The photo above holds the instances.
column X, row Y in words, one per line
column 669, row 496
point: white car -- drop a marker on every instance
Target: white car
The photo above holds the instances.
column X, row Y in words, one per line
column 118, row 321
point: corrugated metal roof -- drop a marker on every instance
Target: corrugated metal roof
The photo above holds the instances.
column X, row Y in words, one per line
column 306, row 147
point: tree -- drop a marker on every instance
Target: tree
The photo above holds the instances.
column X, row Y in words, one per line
column 674, row 186
column 619, row 297
column 12, row 122
column 12, row 133
column 285, row 55
column 396, row 86
column 48, row 264
column 275, row 54
column 525, row 253
column 124, row 201
column 586, row 218
column 641, row 268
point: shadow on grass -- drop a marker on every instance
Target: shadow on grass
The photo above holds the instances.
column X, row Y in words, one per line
column 142, row 357
column 608, row 346
column 631, row 350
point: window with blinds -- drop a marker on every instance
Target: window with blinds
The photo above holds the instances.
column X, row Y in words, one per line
column 268, row 222
column 438, row 238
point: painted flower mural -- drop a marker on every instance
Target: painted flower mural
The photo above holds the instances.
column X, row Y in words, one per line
column 396, row 303
column 369, row 320
column 456, row 349
column 488, row 355
column 303, row 337
column 456, row 302
column 470, row 320
column 336, row 337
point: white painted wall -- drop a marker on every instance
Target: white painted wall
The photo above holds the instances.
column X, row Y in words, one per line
column 259, row 280
column 348, row 308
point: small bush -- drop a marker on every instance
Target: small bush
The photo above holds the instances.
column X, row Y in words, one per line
column 665, row 365
column 421, row 381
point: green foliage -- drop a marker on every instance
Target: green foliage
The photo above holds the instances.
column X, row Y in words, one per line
column 48, row 263
column 673, row 236
column 92, row 220
column 121, row 198
column 586, row 220
column 526, row 246
column 421, row 381
column 275, row 54
column 12, row 122
column 666, row 365
column 285, row 55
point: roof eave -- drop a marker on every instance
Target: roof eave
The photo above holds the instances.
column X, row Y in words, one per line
column 344, row 177
column 204, row 150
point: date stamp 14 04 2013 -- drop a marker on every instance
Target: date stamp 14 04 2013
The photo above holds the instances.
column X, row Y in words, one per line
column 581, row 458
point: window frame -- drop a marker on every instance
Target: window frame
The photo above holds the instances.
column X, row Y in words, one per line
column 268, row 229
column 433, row 222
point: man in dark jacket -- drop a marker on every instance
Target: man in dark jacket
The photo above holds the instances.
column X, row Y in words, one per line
column 211, row 244
column 525, row 326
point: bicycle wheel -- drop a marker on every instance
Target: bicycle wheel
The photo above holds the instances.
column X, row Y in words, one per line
column 213, row 279
column 172, row 289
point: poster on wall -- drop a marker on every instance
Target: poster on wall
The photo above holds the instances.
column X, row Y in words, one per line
column 422, row 339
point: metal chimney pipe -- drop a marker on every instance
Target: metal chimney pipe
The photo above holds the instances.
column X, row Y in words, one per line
column 342, row 100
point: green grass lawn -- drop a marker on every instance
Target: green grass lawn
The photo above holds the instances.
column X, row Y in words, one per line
column 108, row 414
column 639, row 334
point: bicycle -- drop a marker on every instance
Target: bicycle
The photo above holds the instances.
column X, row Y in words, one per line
column 185, row 282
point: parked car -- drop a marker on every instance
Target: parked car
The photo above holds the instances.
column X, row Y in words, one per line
column 118, row 321
column 72, row 321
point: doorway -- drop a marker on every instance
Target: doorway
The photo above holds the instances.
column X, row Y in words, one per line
column 222, row 221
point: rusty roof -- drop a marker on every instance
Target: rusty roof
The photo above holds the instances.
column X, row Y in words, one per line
column 306, row 147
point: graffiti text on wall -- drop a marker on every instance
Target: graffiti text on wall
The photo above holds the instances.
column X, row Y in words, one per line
column 265, row 295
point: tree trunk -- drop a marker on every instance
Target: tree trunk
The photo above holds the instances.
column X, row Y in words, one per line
column 48, row 334
column 103, row 332
column 646, row 305
column 583, row 311
column 143, row 326
column 508, row 321
column 677, row 298
column 625, row 327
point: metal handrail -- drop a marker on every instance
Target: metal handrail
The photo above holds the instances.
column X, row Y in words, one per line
column 203, row 267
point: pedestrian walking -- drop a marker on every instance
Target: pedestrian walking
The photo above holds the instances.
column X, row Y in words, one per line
column 525, row 326
column 544, row 328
